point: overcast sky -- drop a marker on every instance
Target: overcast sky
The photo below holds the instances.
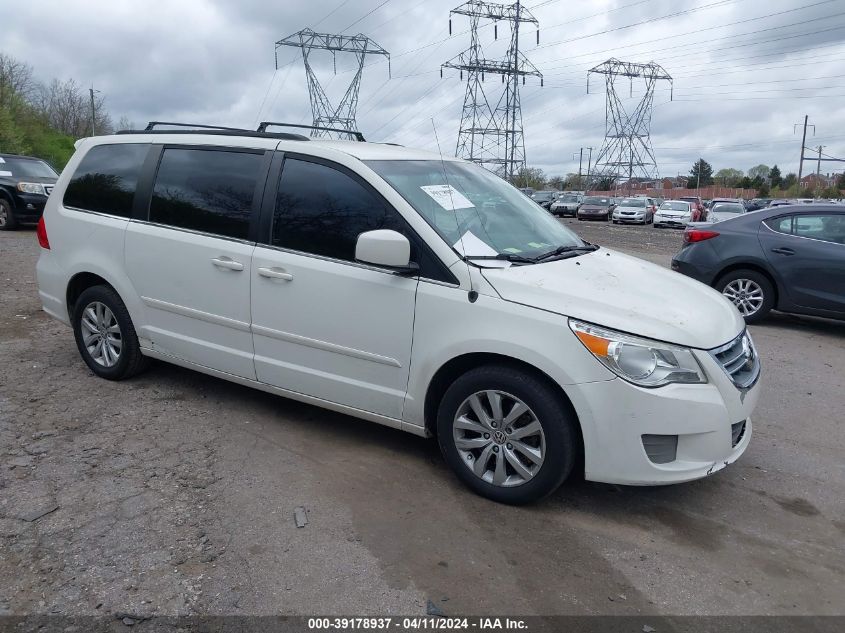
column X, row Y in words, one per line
column 744, row 70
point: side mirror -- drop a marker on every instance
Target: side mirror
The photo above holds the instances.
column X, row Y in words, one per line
column 385, row 248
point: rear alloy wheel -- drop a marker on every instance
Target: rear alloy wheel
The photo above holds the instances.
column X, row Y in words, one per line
column 7, row 219
column 750, row 292
column 506, row 434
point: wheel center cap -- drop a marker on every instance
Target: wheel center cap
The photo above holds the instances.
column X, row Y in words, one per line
column 499, row 437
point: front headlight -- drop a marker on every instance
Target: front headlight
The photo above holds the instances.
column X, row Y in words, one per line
column 32, row 187
column 639, row 360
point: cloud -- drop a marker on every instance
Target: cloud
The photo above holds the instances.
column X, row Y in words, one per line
column 744, row 71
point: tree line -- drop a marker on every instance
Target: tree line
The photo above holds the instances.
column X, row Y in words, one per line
column 766, row 181
column 44, row 119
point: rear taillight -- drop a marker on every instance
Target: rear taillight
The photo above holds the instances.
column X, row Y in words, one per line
column 698, row 235
column 41, row 232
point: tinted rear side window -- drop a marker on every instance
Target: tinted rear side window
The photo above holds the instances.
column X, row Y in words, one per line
column 321, row 210
column 206, row 190
column 106, row 178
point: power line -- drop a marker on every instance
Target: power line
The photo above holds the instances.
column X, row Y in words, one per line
column 367, row 14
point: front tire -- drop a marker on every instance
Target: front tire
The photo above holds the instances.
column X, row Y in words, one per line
column 105, row 335
column 506, row 434
column 7, row 218
column 751, row 292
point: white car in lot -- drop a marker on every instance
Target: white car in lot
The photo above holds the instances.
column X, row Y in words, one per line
column 676, row 213
column 401, row 287
column 637, row 210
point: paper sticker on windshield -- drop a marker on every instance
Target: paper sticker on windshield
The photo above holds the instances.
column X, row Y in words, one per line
column 1, row 160
column 471, row 246
column 5, row 173
column 448, row 197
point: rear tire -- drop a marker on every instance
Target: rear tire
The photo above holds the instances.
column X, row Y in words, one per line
column 751, row 292
column 105, row 335
column 7, row 218
column 527, row 442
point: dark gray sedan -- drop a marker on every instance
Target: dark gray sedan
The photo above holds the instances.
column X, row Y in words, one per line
column 789, row 258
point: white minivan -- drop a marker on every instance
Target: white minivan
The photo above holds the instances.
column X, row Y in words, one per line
column 406, row 288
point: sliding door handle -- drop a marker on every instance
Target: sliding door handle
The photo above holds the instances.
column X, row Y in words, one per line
column 275, row 273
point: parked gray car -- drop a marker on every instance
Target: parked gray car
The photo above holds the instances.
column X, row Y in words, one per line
column 789, row 258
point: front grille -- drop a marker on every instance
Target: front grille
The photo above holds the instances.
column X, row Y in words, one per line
column 740, row 361
column 737, row 433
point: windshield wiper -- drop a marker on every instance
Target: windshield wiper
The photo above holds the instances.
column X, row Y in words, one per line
column 560, row 251
column 508, row 257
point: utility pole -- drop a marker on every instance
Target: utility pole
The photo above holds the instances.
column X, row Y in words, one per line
column 803, row 145
column 93, row 111
column 580, row 160
column 589, row 163
column 698, row 178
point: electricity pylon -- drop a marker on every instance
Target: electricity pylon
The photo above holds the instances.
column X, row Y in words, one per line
column 324, row 114
column 627, row 145
column 491, row 135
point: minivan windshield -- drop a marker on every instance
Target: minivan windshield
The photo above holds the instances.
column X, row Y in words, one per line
column 28, row 168
column 475, row 211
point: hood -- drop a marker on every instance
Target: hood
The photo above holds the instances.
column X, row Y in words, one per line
column 624, row 293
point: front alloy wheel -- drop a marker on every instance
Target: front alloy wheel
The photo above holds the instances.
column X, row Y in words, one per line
column 499, row 438
column 507, row 433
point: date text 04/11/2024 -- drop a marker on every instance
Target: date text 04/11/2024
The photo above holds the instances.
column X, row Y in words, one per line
column 416, row 623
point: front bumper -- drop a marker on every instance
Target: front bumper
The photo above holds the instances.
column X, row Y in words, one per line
column 615, row 415
column 29, row 207
column 637, row 217
column 671, row 221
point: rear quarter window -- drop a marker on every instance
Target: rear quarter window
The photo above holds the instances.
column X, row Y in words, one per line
column 106, row 179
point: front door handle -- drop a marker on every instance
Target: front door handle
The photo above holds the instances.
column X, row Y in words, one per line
column 227, row 263
column 275, row 273
column 783, row 251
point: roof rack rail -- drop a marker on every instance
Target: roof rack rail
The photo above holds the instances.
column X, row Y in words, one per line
column 217, row 130
column 152, row 124
column 355, row 133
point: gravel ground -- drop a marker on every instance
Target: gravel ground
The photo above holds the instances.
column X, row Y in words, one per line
column 174, row 493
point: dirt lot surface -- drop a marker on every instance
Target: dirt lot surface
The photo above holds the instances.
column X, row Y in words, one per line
column 174, row 493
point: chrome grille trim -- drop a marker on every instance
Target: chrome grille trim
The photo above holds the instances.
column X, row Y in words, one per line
column 739, row 360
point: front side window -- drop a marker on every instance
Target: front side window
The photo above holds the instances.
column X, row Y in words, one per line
column 321, row 210
column 106, row 178
column 476, row 212
column 828, row 227
column 206, row 190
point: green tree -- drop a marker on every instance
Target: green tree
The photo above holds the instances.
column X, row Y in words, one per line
column 728, row 176
column 763, row 191
column 533, row 177
column 700, row 175
column 557, row 182
column 774, row 177
column 789, row 181
column 761, row 171
column 840, row 183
